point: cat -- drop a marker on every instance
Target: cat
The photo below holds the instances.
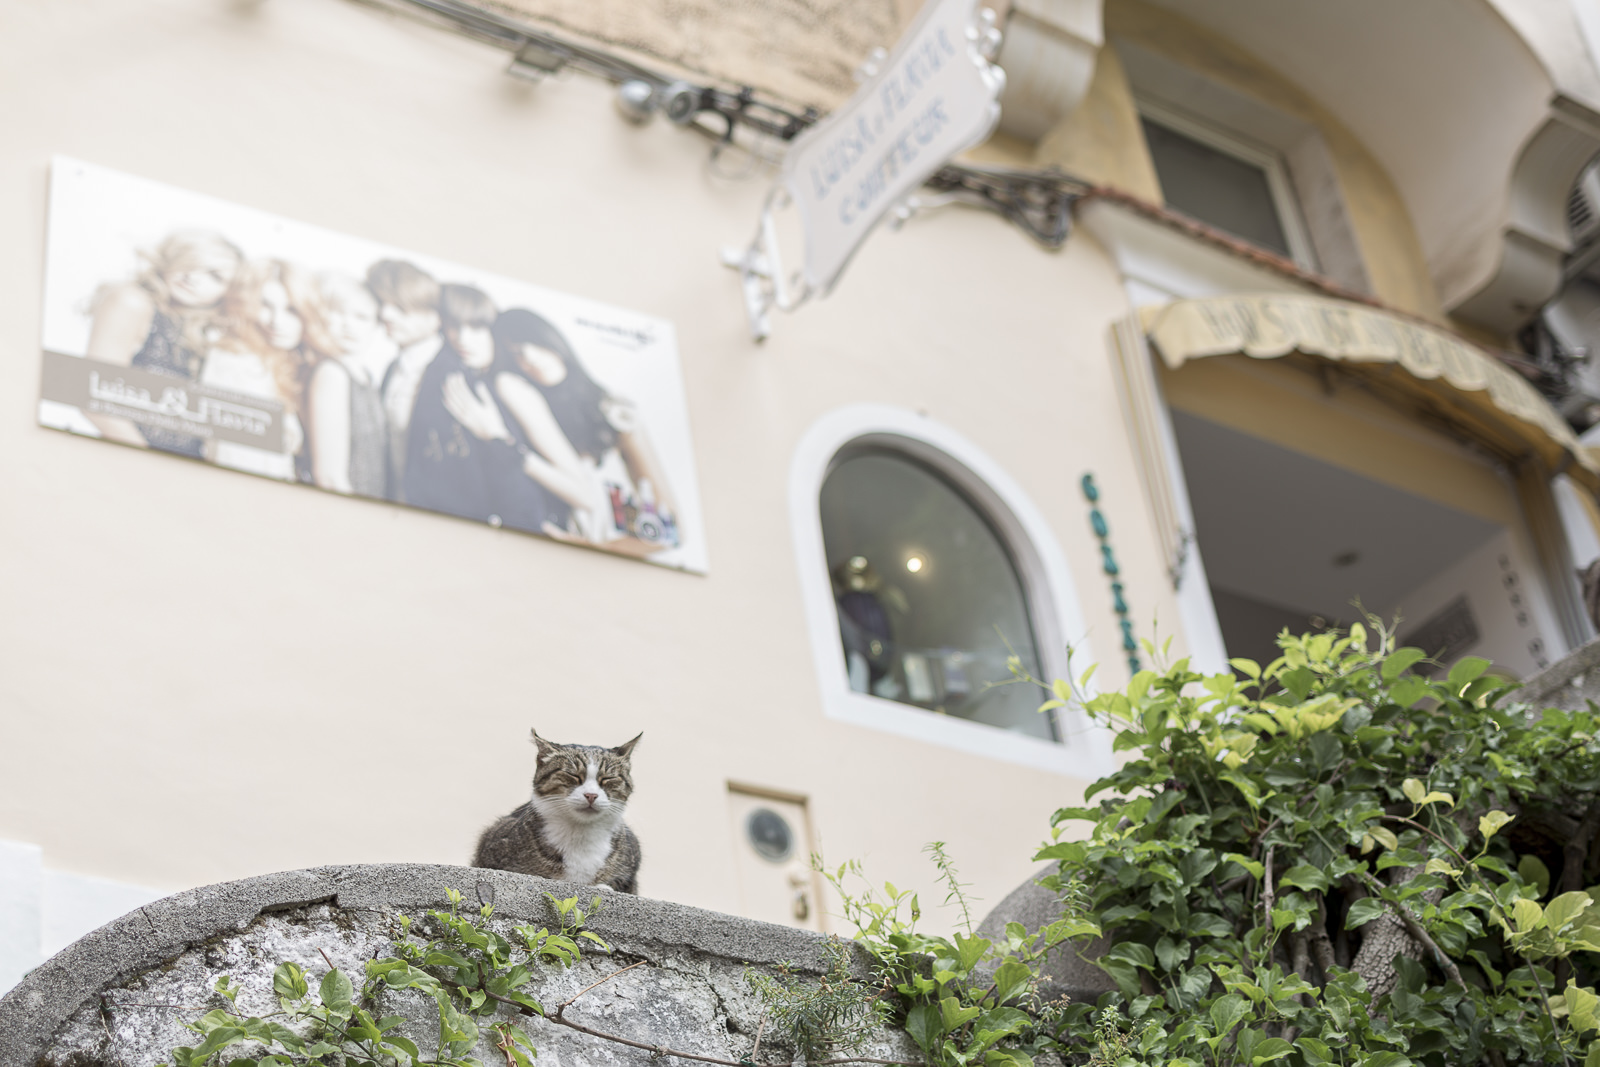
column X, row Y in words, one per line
column 572, row 828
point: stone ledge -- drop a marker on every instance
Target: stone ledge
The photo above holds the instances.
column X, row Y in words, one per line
column 1568, row 683
column 143, row 941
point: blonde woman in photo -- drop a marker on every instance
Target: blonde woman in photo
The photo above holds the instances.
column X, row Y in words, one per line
column 348, row 428
column 163, row 321
column 264, row 354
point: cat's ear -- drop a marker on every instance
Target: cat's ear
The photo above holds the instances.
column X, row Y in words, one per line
column 546, row 748
column 626, row 748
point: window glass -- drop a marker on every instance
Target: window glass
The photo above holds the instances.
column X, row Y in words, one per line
column 927, row 595
column 1230, row 193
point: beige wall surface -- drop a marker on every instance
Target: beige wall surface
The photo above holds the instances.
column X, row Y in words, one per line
column 206, row 675
column 1383, row 227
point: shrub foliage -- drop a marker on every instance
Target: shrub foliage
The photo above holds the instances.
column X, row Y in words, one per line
column 1345, row 856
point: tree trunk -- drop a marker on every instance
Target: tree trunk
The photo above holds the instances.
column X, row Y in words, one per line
column 1385, row 939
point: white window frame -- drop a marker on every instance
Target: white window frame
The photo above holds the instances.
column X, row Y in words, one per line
column 1270, row 160
column 1084, row 749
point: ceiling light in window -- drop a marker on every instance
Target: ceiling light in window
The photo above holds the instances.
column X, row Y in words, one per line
column 914, row 564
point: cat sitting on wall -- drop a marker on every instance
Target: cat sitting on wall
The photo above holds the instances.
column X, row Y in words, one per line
column 572, row 829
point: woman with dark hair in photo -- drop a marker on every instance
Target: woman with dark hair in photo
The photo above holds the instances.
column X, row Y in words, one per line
column 588, row 447
column 163, row 321
column 477, row 473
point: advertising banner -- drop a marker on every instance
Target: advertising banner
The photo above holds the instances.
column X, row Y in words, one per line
column 180, row 323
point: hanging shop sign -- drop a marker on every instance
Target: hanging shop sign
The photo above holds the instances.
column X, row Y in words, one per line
column 179, row 323
column 934, row 96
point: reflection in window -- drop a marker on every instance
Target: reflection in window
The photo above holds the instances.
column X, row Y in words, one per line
column 1214, row 186
column 927, row 594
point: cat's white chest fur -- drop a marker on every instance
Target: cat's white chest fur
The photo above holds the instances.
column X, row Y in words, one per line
column 581, row 833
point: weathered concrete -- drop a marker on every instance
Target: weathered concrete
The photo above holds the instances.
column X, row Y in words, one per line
column 1034, row 907
column 804, row 51
column 117, row 995
column 1569, row 683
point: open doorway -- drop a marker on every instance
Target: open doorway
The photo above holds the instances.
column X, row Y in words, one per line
column 1290, row 540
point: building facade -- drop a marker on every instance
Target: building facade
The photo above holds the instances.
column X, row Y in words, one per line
column 1274, row 357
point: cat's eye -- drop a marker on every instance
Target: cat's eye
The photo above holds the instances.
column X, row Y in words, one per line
column 610, row 782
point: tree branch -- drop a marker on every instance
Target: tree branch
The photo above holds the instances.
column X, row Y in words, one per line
column 1321, row 943
column 1267, row 898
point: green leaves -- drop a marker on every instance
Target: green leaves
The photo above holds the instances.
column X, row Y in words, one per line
column 1305, row 876
column 969, row 951
column 1227, row 1012
column 1490, row 823
column 925, row 1024
column 289, row 981
column 337, row 993
column 468, row 970
column 1011, row 979
column 952, row 1013
column 1338, row 765
column 1419, row 794
column 1583, row 1007
column 1464, row 672
column 1399, row 660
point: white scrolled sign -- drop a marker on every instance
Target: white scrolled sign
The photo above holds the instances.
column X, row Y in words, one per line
column 933, row 97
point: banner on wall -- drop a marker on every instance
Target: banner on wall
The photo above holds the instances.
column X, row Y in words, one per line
column 184, row 324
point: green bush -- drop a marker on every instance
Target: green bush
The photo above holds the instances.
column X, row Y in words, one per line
column 1337, row 859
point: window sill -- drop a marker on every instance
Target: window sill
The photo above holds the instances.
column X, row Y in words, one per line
column 947, row 731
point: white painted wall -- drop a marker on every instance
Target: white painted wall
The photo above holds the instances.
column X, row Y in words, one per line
column 238, row 676
column 21, row 911
column 1513, row 615
column 43, row 911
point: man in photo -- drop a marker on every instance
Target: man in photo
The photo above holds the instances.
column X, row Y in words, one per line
column 409, row 310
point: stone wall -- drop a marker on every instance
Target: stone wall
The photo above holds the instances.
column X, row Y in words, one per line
column 1570, row 683
column 117, row 996
column 803, row 51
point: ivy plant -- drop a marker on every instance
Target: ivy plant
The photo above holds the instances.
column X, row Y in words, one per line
column 467, row 969
column 965, row 1000
column 1345, row 856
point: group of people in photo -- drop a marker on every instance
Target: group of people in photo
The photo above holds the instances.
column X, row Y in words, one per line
column 393, row 385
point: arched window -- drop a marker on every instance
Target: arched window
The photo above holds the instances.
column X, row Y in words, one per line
column 930, row 604
column 956, row 563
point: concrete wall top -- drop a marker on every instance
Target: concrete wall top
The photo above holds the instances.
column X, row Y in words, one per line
column 114, row 995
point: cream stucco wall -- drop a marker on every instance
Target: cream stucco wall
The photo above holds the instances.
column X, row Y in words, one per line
column 1103, row 139
column 206, row 676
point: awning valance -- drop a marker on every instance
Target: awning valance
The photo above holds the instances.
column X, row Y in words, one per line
column 1452, row 379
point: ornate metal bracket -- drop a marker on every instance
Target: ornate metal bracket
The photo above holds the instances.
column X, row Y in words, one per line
column 1038, row 202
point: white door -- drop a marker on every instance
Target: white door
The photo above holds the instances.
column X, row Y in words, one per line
column 772, row 846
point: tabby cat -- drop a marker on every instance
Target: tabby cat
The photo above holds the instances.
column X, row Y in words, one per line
column 572, row 828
